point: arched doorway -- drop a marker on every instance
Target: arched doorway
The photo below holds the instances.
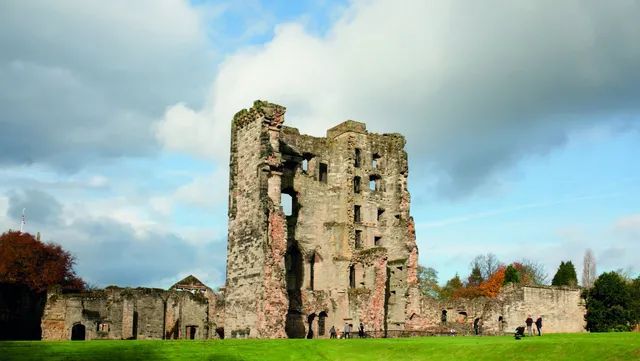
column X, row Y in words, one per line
column 310, row 319
column 78, row 332
column 322, row 318
column 294, row 326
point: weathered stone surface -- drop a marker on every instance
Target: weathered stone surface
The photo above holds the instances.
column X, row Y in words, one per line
column 326, row 263
column 562, row 310
column 188, row 310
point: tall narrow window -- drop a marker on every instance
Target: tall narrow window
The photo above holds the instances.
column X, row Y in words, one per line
column 356, row 214
column 352, row 276
column 323, row 173
column 312, row 263
column 305, row 165
column 356, row 184
column 358, row 157
column 358, row 239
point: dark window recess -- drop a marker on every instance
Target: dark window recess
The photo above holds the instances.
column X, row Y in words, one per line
column 356, row 184
column 352, row 276
column 356, row 214
column 380, row 213
column 358, row 239
column 323, row 173
column 312, row 263
column 357, row 161
column 377, row 241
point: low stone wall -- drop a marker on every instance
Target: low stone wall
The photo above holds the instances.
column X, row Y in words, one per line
column 125, row 313
column 561, row 309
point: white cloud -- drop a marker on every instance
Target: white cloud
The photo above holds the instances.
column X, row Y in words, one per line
column 474, row 86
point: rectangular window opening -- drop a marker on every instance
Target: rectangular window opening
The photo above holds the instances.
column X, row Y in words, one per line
column 377, row 241
column 352, row 276
column 380, row 213
column 358, row 156
column 323, row 173
column 358, row 239
column 356, row 185
column 356, row 214
column 375, row 161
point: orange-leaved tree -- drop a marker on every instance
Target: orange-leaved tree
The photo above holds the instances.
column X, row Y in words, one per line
column 25, row 260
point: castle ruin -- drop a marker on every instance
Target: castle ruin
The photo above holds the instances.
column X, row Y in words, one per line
column 320, row 232
column 320, row 235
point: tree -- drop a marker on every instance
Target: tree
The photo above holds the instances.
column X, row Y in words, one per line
column 487, row 263
column 608, row 304
column 511, row 275
column 451, row 287
column 428, row 281
column 475, row 278
column 566, row 275
column 531, row 272
column 588, row 269
column 25, row 260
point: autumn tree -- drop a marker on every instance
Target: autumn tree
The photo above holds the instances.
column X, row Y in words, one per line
column 25, row 260
column 487, row 263
column 588, row 269
column 566, row 275
column 428, row 281
column 531, row 272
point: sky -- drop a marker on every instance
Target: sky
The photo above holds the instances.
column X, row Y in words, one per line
column 522, row 122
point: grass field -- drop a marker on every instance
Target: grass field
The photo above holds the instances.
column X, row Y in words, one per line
column 611, row 346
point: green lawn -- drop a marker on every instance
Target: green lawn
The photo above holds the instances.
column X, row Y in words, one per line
column 611, row 346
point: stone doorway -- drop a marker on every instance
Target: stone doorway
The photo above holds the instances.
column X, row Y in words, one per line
column 78, row 332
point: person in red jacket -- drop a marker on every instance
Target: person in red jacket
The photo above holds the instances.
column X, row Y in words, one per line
column 529, row 322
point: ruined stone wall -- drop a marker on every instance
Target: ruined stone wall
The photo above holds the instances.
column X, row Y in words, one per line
column 344, row 253
column 125, row 313
column 562, row 310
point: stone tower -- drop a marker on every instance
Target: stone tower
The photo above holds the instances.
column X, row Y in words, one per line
column 319, row 229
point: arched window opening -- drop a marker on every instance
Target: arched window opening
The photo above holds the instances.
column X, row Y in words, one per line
column 78, row 332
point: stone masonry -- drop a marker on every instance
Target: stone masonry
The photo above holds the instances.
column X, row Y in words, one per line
column 188, row 310
column 320, row 232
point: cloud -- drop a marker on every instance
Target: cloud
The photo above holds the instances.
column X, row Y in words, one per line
column 475, row 87
column 85, row 80
column 39, row 206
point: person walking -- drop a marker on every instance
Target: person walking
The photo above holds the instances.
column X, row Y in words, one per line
column 332, row 332
column 539, row 325
column 529, row 322
column 347, row 330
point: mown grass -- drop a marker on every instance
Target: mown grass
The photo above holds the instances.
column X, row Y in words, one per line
column 612, row 346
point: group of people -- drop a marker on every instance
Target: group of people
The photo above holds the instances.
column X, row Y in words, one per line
column 347, row 331
column 529, row 322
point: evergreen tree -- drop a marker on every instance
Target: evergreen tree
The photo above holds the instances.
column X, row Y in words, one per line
column 609, row 304
column 566, row 275
column 452, row 285
column 511, row 275
column 475, row 278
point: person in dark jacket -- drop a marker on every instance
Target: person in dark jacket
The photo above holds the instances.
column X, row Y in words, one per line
column 361, row 330
column 529, row 322
column 332, row 332
column 539, row 325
